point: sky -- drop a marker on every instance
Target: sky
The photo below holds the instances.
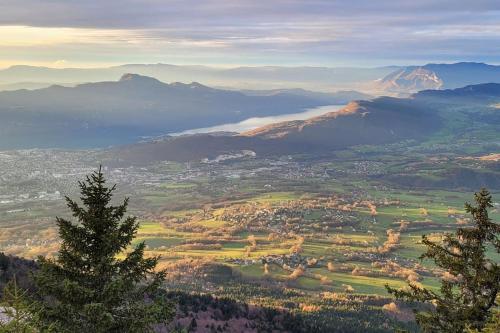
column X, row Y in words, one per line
column 364, row 33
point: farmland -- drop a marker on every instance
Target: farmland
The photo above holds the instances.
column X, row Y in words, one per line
column 296, row 233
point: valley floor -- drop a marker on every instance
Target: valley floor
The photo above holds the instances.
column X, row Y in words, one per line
column 317, row 237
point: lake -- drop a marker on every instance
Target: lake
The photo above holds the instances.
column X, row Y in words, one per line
column 256, row 122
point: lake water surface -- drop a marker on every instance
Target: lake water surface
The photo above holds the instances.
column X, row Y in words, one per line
column 256, row 122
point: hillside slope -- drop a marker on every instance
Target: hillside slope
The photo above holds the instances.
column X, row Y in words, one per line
column 383, row 120
column 379, row 121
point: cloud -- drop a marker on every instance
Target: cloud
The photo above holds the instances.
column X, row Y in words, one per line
column 250, row 31
column 177, row 13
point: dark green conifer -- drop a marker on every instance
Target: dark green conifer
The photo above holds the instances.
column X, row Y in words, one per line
column 466, row 299
column 97, row 283
column 19, row 311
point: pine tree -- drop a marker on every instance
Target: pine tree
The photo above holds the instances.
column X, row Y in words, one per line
column 4, row 261
column 193, row 325
column 96, row 283
column 492, row 325
column 19, row 312
column 466, row 299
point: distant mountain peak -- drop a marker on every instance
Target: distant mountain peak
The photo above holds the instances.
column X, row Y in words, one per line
column 461, row 63
column 439, row 76
column 192, row 85
column 130, row 77
column 196, row 85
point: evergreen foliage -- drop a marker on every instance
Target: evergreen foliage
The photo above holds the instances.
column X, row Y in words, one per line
column 466, row 299
column 96, row 283
column 492, row 326
column 19, row 313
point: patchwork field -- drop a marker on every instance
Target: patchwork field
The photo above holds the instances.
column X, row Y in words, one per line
column 319, row 237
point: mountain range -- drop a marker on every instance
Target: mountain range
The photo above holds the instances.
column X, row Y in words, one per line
column 259, row 77
column 479, row 92
column 439, row 76
column 383, row 120
column 379, row 121
column 118, row 112
column 395, row 80
column 138, row 107
column 338, row 97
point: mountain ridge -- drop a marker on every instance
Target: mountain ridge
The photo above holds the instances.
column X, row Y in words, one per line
column 379, row 121
column 243, row 77
column 134, row 106
column 382, row 120
column 439, row 76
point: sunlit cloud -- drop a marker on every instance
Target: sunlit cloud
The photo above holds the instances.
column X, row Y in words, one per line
column 293, row 32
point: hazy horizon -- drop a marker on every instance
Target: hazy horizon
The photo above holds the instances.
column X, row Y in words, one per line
column 215, row 66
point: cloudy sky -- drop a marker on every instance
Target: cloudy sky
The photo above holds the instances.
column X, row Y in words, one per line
column 87, row 33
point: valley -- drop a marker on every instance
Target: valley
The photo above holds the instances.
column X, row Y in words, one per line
column 244, row 166
column 305, row 216
column 307, row 233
